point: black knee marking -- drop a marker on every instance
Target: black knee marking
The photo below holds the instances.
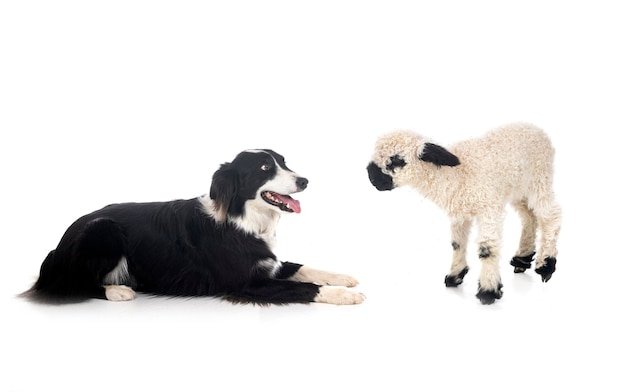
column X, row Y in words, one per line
column 547, row 269
column 489, row 296
column 455, row 280
column 484, row 252
column 455, row 245
column 522, row 263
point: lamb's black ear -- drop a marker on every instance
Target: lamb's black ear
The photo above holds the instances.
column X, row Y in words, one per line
column 438, row 155
column 223, row 190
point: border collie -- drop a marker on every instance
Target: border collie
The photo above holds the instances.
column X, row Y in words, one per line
column 217, row 245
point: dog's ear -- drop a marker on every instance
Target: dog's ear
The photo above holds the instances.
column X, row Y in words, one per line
column 438, row 155
column 223, row 190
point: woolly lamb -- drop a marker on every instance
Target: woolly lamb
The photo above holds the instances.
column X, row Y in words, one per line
column 474, row 180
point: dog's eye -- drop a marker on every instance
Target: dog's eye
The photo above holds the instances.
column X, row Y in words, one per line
column 266, row 167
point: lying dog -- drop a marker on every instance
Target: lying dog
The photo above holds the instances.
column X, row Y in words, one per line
column 216, row 245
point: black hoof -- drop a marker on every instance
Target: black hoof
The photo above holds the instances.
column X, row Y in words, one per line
column 487, row 297
column 455, row 280
column 547, row 269
column 522, row 263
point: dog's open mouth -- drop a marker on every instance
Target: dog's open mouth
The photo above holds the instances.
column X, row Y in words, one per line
column 284, row 202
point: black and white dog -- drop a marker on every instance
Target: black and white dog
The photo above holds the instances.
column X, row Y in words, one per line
column 216, row 245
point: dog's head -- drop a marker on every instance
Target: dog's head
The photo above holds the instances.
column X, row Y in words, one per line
column 398, row 155
column 258, row 180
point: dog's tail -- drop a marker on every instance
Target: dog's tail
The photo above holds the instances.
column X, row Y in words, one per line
column 55, row 285
column 75, row 271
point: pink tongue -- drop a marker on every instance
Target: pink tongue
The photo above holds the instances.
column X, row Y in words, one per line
column 293, row 203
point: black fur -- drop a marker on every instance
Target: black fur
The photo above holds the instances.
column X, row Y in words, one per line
column 176, row 248
column 395, row 162
column 484, row 252
column 382, row 181
column 488, row 297
column 438, row 155
column 455, row 280
column 522, row 263
column 547, row 269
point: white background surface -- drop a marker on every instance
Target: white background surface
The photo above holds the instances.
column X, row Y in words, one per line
column 116, row 101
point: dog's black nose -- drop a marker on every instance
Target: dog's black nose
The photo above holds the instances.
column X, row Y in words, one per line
column 301, row 183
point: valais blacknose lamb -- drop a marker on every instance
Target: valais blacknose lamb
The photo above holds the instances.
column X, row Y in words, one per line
column 472, row 181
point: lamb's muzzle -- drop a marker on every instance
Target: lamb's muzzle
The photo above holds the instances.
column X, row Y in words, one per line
column 382, row 181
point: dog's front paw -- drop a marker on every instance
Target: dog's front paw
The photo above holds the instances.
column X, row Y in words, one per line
column 324, row 278
column 338, row 296
column 339, row 280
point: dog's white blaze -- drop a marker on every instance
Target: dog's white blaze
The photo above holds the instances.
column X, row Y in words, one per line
column 284, row 182
column 119, row 274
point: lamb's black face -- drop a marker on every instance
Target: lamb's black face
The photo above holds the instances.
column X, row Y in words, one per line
column 258, row 175
column 381, row 180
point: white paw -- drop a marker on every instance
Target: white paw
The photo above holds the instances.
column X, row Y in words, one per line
column 340, row 280
column 119, row 293
column 338, row 296
column 323, row 278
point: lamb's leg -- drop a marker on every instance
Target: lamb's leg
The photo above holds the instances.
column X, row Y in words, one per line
column 489, row 240
column 549, row 218
column 460, row 232
column 526, row 251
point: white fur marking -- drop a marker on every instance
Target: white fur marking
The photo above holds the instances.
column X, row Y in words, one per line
column 271, row 265
column 119, row 293
column 323, row 278
column 338, row 296
column 119, row 274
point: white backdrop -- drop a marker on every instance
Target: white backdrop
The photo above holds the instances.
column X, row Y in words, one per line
column 104, row 102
